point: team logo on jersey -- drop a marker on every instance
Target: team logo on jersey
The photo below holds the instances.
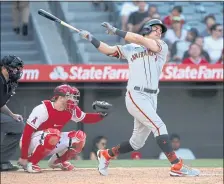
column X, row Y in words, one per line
column 34, row 120
column 142, row 54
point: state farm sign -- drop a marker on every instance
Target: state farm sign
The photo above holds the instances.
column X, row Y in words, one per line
column 92, row 73
column 117, row 73
column 204, row 72
column 30, row 74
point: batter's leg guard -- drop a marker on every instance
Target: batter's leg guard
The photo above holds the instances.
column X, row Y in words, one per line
column 165, row 145
column 76, row 143
column 122, row 148
column 48, row 141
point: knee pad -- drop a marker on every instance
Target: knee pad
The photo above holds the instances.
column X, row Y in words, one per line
column 77, row 140
column 136, row 143
column 50, row 138
column 47, row 143
column 78, row 135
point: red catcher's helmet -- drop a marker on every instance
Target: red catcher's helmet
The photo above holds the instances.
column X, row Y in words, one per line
column 70, row 92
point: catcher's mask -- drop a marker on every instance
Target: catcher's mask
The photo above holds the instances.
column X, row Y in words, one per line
column 14, row 66
column 147, row 27
column 72, row 95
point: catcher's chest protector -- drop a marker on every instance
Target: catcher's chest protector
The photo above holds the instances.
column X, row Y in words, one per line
column 56, row 119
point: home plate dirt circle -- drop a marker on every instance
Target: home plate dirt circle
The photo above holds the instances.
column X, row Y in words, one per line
column 116, row 176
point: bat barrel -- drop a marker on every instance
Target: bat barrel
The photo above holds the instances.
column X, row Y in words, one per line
column 55, row 19
column 48, row 15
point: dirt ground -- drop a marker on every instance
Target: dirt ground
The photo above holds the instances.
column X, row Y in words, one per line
column 116, row 176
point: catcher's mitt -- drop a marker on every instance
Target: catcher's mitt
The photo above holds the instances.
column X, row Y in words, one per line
column 101, row 107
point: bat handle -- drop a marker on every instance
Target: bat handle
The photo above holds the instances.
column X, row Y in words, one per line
column 69, row 26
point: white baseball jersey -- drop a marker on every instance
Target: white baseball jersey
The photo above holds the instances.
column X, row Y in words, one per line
column 145, row 66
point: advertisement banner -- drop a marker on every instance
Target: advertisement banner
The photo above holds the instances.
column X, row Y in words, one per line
column 117, row 73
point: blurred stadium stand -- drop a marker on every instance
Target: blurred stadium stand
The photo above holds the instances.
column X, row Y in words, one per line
column 84, row 15
column 47, row 38
column 24, row 47
column 41, row 44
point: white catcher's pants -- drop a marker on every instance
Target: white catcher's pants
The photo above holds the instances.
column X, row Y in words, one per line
column 142, row 106
column 61, row 145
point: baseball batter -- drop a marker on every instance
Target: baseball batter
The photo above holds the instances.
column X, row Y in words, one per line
column 42, row 135
column 146, row 56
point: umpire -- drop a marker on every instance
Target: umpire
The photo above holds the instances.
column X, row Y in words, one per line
column 11, row 124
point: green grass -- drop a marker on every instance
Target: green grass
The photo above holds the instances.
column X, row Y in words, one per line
column 144, row 163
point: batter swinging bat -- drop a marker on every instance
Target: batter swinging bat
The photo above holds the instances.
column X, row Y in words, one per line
column 55, row 19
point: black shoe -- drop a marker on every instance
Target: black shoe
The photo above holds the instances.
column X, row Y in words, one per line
column 25, row 29
column 8, row 167
column 16, row 30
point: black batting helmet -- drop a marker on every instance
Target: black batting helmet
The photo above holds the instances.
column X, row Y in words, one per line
column 147, row 27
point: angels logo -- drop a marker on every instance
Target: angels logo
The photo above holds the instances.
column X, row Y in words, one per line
column 34, row 120
column 58, row 73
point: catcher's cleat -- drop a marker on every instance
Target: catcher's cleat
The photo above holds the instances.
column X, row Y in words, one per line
column 104, row 160
column 180, row 170
column 31, row 168
column 65, row 166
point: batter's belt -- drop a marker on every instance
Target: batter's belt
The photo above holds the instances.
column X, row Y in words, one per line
column 147, row 90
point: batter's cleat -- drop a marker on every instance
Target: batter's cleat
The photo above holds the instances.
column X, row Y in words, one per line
column 180, row 170
column 31, row 168
column 65, row 166
column 104, row 160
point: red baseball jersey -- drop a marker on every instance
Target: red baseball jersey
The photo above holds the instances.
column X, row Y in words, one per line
column 45, row 116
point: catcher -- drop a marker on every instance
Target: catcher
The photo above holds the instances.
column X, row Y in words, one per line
column 42, row 134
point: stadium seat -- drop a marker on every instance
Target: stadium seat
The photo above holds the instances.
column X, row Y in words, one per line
column 219, row 18
column 192, row 17
column 209, row 4
column 164, row 9
column 212, row 10
column 188, row 10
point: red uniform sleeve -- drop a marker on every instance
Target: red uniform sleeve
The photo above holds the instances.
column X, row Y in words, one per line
column 26, row 139
column 88, row 118
column 91, row 118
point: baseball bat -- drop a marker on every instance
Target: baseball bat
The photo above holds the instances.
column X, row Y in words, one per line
column 55, row 19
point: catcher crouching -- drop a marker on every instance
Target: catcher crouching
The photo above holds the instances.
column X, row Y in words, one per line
column 42, row 134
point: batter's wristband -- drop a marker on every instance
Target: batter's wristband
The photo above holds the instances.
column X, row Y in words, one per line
column 95, row 42
column 120, row 33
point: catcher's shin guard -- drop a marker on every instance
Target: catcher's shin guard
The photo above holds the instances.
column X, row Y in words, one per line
column 76, row 143
column 48, row 141
column 77, row 140
column 59, row 160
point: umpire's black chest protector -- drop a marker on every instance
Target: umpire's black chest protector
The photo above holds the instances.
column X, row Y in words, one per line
column 5, row 91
